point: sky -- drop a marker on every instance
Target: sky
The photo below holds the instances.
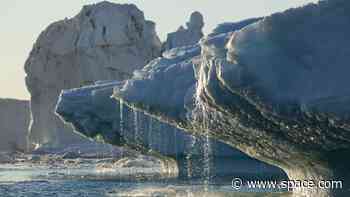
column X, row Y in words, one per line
column 22, row 21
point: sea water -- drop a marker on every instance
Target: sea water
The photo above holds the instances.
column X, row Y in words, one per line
column 80, row 177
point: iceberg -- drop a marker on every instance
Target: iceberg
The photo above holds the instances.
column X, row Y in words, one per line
column 95, row 114
column 104, row 41
column 275, row 89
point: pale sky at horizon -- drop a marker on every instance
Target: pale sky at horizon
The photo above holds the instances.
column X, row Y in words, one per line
column 22, row 21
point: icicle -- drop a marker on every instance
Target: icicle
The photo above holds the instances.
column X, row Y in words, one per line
column 121, row 117
column 121, row 121
column 136, row 128
column 175, row 143
column 150, row 130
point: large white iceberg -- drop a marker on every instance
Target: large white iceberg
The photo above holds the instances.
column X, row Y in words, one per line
column 105, row 41
column 93, row 112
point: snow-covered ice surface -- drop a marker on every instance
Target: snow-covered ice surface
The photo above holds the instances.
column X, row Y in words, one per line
column 232, row 26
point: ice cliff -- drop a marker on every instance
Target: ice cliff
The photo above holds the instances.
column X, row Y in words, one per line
column 104, row 41
column 275, row 89
column 14, row 123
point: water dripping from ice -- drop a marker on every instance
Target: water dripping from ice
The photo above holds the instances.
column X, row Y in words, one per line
column 175, row 143
column 189, row 159
column 150, row 136
column 121, row 117
column 206, row 148
column 136, row 127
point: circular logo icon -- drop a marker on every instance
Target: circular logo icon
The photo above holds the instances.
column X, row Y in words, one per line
column 237, row 183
